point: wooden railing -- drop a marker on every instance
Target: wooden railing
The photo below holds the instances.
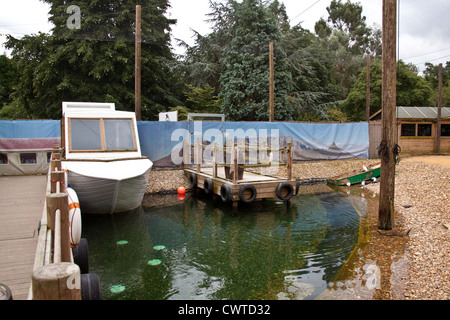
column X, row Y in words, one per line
column 55, row 275
column 193, row 153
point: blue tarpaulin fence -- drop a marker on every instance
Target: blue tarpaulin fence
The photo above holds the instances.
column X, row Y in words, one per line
column 160, row 140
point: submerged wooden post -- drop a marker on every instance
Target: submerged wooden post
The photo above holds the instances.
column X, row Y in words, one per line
column 389, row 133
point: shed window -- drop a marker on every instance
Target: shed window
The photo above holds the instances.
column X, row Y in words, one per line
column 3, row 158
column 445, row 130
column 424, row 130
column 408, row 129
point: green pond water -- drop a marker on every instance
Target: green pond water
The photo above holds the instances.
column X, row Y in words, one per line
column 201, row 249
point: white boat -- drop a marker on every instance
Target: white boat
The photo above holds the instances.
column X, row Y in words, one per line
column 102, row 157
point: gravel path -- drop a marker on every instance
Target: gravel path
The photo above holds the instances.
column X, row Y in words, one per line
column 422, row 205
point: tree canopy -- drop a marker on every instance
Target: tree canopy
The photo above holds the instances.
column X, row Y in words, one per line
column 95, row 62
column 319, row 75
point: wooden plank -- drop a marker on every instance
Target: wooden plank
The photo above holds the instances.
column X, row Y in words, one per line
column 20, row 212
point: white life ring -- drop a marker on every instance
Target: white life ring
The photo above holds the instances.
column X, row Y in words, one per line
column 74, row 218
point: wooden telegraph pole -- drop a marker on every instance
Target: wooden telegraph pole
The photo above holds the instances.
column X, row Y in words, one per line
column 387, row 149
column 438, row 123
column 368, row 88
column 137, row 69
column 271, row 85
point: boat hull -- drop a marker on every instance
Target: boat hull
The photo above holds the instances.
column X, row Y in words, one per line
column 355, row 178
column 108, row 195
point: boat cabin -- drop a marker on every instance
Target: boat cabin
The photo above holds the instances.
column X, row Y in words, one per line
column 98, row 131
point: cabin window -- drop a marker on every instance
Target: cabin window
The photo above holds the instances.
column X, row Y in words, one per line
column 28, row 158
column 85, row 135
column 445, row 130
column 3, row 158
column 408, row 129
column 102, row 135
column 119, row 134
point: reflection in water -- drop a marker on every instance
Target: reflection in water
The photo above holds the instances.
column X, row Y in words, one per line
column 266, row 251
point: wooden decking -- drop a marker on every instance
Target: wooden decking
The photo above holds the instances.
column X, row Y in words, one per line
column 21, row 205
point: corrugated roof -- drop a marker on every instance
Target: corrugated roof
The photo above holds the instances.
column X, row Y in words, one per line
column 422, row 112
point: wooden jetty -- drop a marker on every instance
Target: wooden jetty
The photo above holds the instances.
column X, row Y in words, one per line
column 36, row 257
column 21, row 201
column 231, row 182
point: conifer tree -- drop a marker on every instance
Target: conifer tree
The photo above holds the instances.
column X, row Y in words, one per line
column 245, row 81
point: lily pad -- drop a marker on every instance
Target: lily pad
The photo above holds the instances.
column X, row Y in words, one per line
column 122, row 242
column 118, row 288
column 160, row 247
column 154, row 262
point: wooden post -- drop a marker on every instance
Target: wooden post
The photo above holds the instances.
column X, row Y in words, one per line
column 214, row 159
column 368, row 88
column 186, row 153
column 57, row 180
column 438, row 122
column 57, row 281
column 289, row 161
column 389, row 131
column 59, row 201
column 137, row 82
column 271, row 85
column 235, row 164
column 198, row 154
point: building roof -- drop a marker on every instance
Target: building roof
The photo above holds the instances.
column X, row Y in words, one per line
column 422, row 112
column 417, row 113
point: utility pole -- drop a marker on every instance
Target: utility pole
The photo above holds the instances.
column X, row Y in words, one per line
column 137, row 68
column 368, row 88
column 438, row 123
column 271, row 85
column 388, row 148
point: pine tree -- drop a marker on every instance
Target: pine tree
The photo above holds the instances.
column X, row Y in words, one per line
column 245, row 82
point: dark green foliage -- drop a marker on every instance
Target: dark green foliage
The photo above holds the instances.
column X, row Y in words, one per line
column 96, row 62
column 412, row 90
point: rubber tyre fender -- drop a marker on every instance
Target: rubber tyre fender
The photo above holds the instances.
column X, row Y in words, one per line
column 81, row 255
column 243, row 189
column 90, row 287
column 193, row 180
column 226, row 193
column 208, row 186
column 280, row 188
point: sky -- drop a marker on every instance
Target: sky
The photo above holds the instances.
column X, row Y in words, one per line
column 424, row 26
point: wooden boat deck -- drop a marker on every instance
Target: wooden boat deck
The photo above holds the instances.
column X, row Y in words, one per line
column 21, row 203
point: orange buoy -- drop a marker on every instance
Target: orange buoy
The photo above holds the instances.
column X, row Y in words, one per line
column 181, row 190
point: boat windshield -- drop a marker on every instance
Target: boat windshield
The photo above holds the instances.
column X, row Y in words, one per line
column 101, row 135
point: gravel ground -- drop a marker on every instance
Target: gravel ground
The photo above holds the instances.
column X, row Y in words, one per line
column 413, row 262
column 422, row 203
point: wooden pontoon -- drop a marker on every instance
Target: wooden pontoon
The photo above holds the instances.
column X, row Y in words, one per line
column 239, row 184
